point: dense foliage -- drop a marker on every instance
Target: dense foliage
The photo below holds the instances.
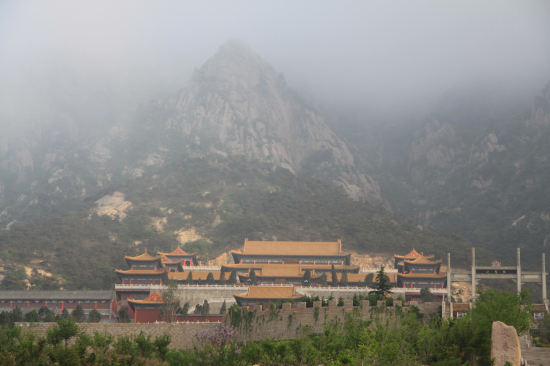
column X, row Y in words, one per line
column 402, row 339
column 243, row 199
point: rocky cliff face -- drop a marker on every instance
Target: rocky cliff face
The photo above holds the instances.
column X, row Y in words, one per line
column 236, row 105
column 485, row 179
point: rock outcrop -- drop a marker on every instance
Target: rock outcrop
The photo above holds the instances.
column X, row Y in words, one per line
column 505, row 345
column 238, row 105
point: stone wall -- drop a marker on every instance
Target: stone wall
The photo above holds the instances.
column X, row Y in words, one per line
column 263, row 323
column 289, row 323
column 183, row 334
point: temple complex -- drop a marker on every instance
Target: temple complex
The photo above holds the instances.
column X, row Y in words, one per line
column 318, row 268
column 182, row 278
column 263, row 295
column 400, row 259
column 419, row 271
column 292, row 252
column 178, row 255
column 281, row 274
column 147, row 310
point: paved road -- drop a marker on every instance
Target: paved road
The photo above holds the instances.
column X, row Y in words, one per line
column 534, row 356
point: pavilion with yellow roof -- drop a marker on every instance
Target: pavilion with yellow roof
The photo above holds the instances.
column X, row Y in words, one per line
column 178, row 255
column 263, row 295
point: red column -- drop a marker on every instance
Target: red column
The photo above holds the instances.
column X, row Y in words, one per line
column 27, row 303
column 95, row 304
column 135, row 314
column 123, row 281
column 130, row 282
column 62, row 305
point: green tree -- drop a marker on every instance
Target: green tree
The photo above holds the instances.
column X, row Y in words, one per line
column 205, row 308
column 344, row 278
column 122, row 316
column 223, row 308
column 17, row 314
column 306, row 279
column 63, row 331
column 14, row 280
column 210, row 278
column 94, row 316
column 222, row 278
column 334, row 282
column 427, row 296
column 232, row 277
column 165, row 277
column 46, row 315
column 252, row 277
column 185, row 310
column 323, row 280
column 32, row 317
column 65, row 314
column 78, row 314
column 507, row 307
column 382, row 287
column 170, row 302
column 190, row 278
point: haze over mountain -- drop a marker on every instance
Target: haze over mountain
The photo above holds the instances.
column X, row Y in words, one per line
column 433, row 112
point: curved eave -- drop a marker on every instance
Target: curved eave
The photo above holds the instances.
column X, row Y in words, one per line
column 140, row 272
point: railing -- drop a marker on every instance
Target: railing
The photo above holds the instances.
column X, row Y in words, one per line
column 202, row 268
column 368, row 270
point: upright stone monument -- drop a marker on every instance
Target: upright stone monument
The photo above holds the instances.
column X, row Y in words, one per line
column 505, row 345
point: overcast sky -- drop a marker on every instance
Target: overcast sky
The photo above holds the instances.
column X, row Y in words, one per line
column 382, row 52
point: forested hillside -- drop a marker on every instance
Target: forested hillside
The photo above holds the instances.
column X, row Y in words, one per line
column 225, row 201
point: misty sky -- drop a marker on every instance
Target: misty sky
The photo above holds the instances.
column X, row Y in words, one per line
column 379, row 53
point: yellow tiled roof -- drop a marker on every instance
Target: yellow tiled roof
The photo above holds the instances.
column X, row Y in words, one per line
column 196, row 275
column 140, row 271
column 143, row 257
column 421, row 260
column 291, row 248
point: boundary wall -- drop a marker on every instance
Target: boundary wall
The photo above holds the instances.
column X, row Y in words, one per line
column 253, row 324
column 183, row 334
column 269, row 322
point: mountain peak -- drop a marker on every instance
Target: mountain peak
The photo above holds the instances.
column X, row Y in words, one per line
column 233, row 65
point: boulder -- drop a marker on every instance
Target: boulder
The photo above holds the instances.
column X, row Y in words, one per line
column 505, row 345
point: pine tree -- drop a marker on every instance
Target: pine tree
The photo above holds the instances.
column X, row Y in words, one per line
column 232, row 277
column 222, row 278
column 306, row 280
column 94, row 316
column 185, row 310
column 223, row 308
column 323, row 280
column 205, row 308
column 252, row 277
column 382, row 287
column 210, row 278
column 190, row 278
column 344, row 279
column 334, row 277
column 122, row 316
column 78, row 314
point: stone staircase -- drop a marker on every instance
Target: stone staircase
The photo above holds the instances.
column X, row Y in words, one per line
column 534, row 356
